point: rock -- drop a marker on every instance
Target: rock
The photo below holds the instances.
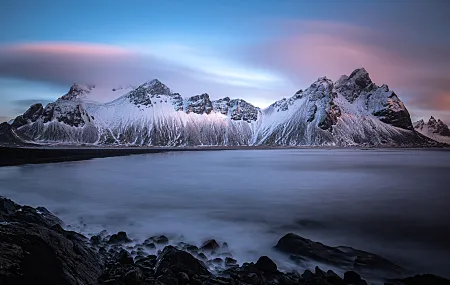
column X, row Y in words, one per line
column 351, row 277
column 172, row 259
column 166, row 280
column 34, row 253
column 301, row 248
column 202, row 256
column 96, row 240
column 230, row 261
column 150, row 245
column 333, row 278
column 217, row 260
column 319, row 273
column 133, row 277
column 160, row 239
column 124, row 257
column 192, row 248
column 210, row 245
column 425, row 279
column 308, row 275
column 266, row 265
column 119, row 238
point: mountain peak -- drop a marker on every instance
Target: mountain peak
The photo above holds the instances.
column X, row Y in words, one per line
column 156, row 87
column 351, row 86
column 77, row 92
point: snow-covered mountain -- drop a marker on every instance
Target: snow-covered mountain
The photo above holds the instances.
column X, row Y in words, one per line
column 434, row 129
column 351, row 111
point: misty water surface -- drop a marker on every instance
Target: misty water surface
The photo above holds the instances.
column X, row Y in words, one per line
column 391, row 202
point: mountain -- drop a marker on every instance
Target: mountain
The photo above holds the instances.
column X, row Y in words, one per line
column 350, row 111
column 434, row 129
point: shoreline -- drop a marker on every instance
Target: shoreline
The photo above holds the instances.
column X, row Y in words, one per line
column 14, row 156
column 67, row 257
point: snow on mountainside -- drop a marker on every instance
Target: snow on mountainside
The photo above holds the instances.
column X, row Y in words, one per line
column 434, row 129
column 351, row 111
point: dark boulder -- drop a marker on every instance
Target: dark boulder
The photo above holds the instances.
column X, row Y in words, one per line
column 123, row 257
column 33, row 252
column 230, row 261
column 266, row 265
column 210, row 245
column 300, row 248
column 174, row 260
column 351, row 277
column 425, row 279
column 119, row 238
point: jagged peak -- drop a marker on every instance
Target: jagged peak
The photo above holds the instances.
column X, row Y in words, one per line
column 200, row 96
column 78, row 91
column 155, row 87
column 351, row 86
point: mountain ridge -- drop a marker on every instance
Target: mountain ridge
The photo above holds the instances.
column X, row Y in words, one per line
column 351, row 111
column 434, row 129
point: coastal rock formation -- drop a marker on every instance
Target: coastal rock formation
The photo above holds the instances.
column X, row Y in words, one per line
column 35, row 249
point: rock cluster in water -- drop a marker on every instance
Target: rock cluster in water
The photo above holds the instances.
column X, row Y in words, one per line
column 35, row 249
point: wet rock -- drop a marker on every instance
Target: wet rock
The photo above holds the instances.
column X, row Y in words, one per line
column 160, row 239
column 210, row 245
column 96, row 240
column 192, row 248
column 133, row 277
column 174, row 260
column 266, row 265
column 166, row 280
column 319, row 273
column 425, row 279
column 230, row 261
column 202, row 256
column 308, row 275
column 300, row 248
column 34, row 253
column 217, row 260
column 351, row 277
column 119, row 238
column 150, row 245
column 124, row 257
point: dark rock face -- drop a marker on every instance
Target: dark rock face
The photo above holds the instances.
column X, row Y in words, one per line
column 76, row 91
column 7, row 135
column 300, row 248
column 35, row 251
column 331, row 118
column 140, row 97
column 237, row 109
column 199, row 104
column 395, row 113
column 31, row 115
column 352, row 86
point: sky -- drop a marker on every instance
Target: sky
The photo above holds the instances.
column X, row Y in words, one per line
column 257, row 50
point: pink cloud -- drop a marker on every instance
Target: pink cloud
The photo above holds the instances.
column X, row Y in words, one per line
column 310, row 49
column 68, row 49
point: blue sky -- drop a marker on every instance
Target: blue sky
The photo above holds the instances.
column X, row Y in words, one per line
column 260, row 51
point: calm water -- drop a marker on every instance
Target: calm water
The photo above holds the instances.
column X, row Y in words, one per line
column 392, row 202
